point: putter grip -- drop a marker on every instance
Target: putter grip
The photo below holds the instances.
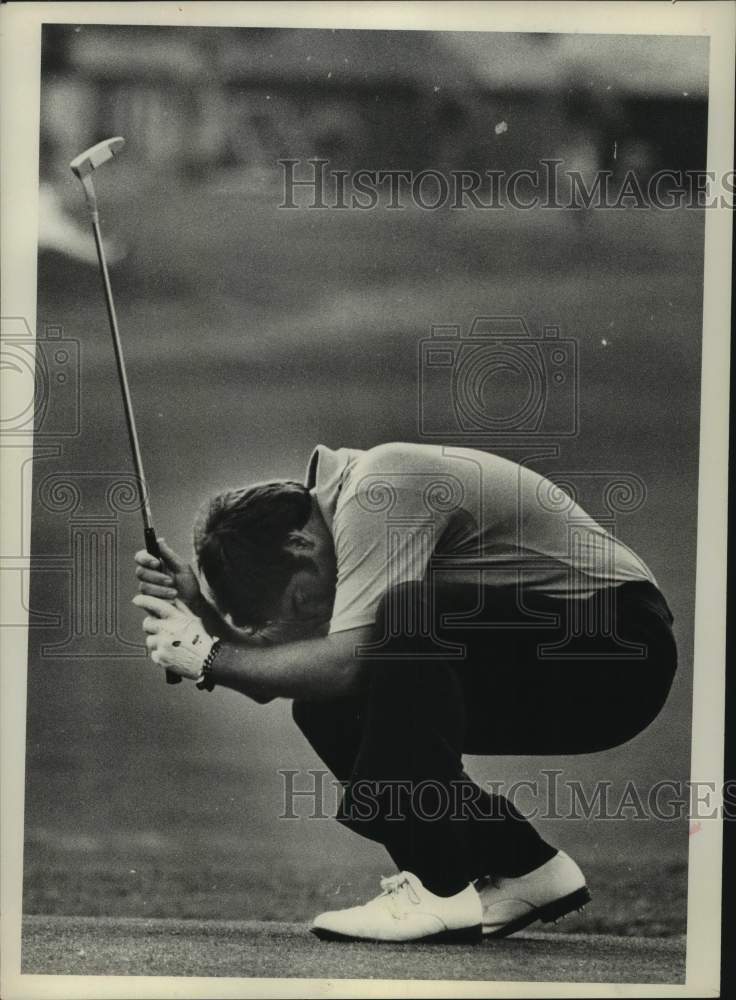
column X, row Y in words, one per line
column 153, row 550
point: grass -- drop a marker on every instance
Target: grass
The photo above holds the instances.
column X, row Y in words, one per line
column 119, row 946
column 647, row 901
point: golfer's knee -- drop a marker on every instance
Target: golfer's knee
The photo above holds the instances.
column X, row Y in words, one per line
column 320, row 721
column 303, row 714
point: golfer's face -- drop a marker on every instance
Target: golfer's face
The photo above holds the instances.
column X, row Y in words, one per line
column 306, row 604
column 304, row 610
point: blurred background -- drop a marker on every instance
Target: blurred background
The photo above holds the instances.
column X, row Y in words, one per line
column 252, row 333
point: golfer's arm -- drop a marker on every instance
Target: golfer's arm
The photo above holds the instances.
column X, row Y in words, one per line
column 319, row 669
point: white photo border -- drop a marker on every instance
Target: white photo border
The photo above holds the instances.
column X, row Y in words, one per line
column 20, row 42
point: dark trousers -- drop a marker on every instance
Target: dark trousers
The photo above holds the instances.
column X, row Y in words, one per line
column 459, row 669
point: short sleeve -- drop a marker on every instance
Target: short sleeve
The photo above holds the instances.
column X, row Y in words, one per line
column 384, row 530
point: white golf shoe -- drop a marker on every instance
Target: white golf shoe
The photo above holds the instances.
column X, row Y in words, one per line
column 548, row 893
column 406, row 911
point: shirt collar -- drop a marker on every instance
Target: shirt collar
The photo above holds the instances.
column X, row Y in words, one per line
column 325, row 476
column 324, row 465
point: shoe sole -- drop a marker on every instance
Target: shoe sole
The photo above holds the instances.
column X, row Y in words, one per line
column 548, row 914
column 461, row 935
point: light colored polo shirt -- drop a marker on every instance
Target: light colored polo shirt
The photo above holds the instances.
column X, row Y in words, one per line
column 397, row 511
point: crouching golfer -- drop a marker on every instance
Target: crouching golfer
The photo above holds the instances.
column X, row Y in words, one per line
column 417, row 603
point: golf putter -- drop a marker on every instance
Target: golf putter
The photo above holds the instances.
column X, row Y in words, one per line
column 83, row 166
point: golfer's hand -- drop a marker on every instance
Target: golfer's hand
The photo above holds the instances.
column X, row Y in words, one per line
column 174, row 579
column 176, row 639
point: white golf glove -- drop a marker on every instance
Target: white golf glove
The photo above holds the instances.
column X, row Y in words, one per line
column 176, row 639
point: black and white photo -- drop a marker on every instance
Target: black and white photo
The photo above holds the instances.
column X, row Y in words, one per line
column 364, row 443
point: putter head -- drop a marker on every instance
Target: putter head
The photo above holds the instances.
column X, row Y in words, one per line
column 95, row 156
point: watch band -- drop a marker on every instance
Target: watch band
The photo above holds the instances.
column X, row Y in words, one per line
column 206, row 681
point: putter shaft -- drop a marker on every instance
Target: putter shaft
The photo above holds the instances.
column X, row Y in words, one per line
column 83, row 166
column 124, row 387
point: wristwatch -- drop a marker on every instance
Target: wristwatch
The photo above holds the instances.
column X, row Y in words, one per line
column 205, row 681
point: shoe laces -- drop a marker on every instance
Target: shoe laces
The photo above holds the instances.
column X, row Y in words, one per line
column 494, row 881
column 396, row 888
